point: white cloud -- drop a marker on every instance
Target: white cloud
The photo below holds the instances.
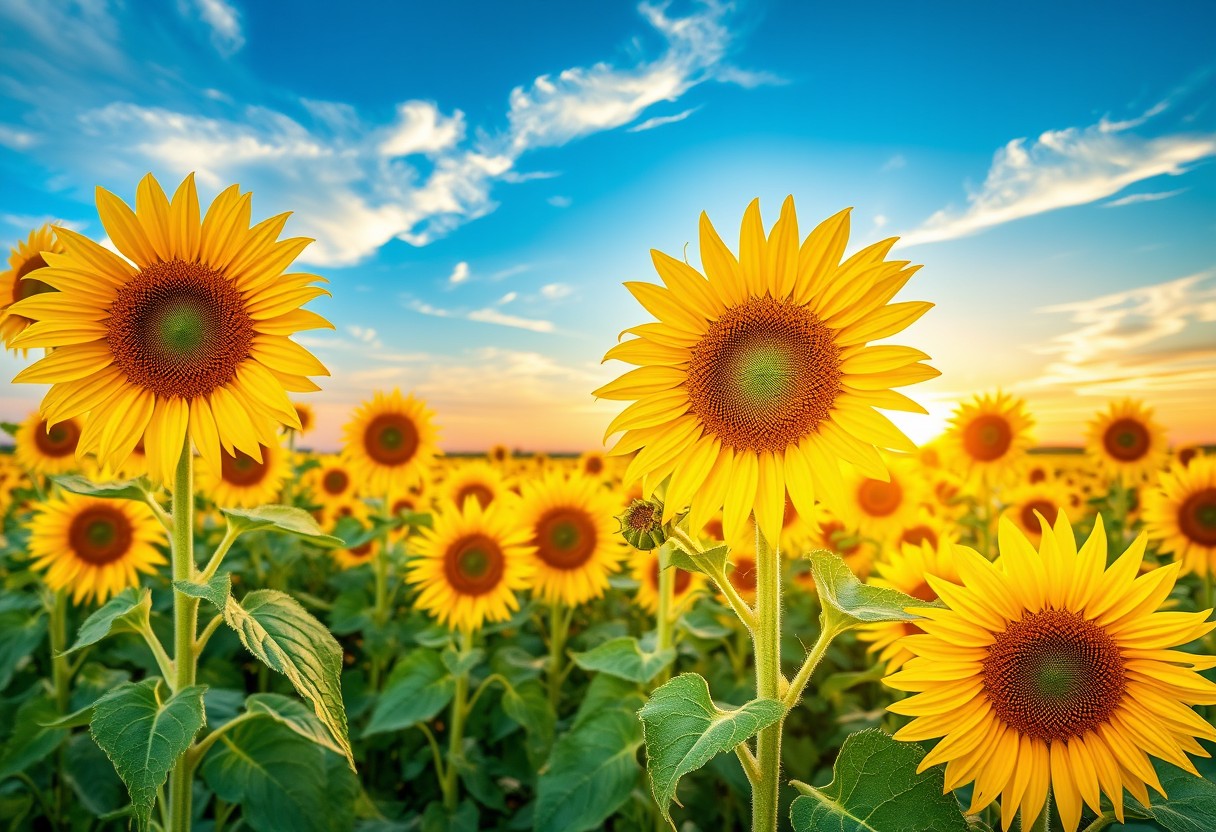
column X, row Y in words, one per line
column 225, row 23
column 558, row 201
column 509, row 297
column 894, row 163
column 421, row 128
column 427, row 309
column 1062, row 168
column 1132, row 199
column 555, row 291
column 510, row 271
column 15, row 138
column 493, row 316
column 659, row 121
column 365, row 335
column 880, row 221
column 459, row 274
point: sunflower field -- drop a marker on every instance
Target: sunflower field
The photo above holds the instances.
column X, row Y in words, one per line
column 762, row 607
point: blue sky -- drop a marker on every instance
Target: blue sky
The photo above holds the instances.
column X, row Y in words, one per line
column 481, row 177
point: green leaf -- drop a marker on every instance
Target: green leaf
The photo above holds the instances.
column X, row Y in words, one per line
column 1191, row 806
column 93, row 780
column 280, row 780
column 860, row 603
column 126, row 612
column 416, row 691
column 459, row 664
column 590, row 773
column 77, row 719
column 285, row 637
column 144, row 731
column 875, row 788
column 136, row 489
column 295, row 715
column 10, row 428
column 288, row 519
column 31, row 740
column 20, row 635
column 838, row 683
column 684, row 729
column 624, row 657
column 607, row 692
column 528, row 705
column 215, row 590
column 671, row 553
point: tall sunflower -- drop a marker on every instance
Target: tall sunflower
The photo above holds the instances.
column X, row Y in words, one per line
column 14, row 285
column 470, row 565
column 1126, row 442
column 574, row 542
column 243, row 481
column 390, row 442
column 95, row 548
column 47, row 449
column 1048, row 668
column 1180, row 513
column 989, row 436
column 187, row 338
column 757, row 378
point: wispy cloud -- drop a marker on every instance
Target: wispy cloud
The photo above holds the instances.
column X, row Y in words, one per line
column 659, row 121
column 460, row 273
column 225, row 24
column 16, row 138
column 1132, row 199
column 1063, row 168
column 559, row 201
column 487, row 315
column 894, row 163
column 556, row 291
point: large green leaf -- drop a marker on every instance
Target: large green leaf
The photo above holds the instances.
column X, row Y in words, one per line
column 528, row 704
column 875, row 788
column 839, row 588
column 684, row 729
column 143, row 731
column 624, row 657
column 295, row 715
column 287, row 519
column 280, row 780
column 285, row 637
column 1190, row 807
column 419, row 687
column 20, row 635
column 32, row 739
column 673, row 555
column 126, row 612
column 135, row 489
column 215, row 590
column 590, row 773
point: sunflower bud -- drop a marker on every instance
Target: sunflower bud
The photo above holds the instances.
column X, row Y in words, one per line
column 642, row 524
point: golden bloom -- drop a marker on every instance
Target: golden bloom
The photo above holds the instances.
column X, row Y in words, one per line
column 478, row 480
column 757, row 378
column 186, row 339
column 989, row 436
column 357, row 556
column 470, row 564
column 47, row 449
column 1181, row 513
column 95, row 548
column 1126, row 442
column 390, row 443
column 499, row 454
column 1047, row 497
column 878, row 508
column 593, row 464
column 243, row 481
column 1049, row 669
column 15, row 286
column 905, row 570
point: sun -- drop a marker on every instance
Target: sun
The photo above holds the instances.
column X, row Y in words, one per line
column 757, row 377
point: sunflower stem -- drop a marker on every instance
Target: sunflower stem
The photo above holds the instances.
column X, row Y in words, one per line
column 831, row 624
column 185, row 625
column 558, row 625
column 745, row 613
column 664, row 637
column 61, row 676
column 766, row 638
column 460, row 709
column 1100, row 822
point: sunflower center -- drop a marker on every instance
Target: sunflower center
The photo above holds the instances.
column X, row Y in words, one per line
column 179, row 329
column 565, row 538
column 478, row 491
column 242, row 469
column 335, row 482
column 987, row 437
column 1053, row 675
column 362, row 550
column 642, row 516
column 1126, row 440
column 916, row 535
column 391, row 439
column 593, row 465
column 100, row 535
column 474, row 564
column 59, row 441
column 764, row 375
column 878, row 498
column 834, row 533
column 1197, row 517
column 1044, row 507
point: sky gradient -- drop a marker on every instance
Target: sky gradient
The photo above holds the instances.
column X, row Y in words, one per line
column 480, row 178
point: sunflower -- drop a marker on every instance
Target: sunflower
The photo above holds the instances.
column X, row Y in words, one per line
column 478, row 480
column 47, row 449
column 187, row 341
column 357, row 556
column 94, row 547
column 470, row 564
column 332, row 485
column 989, row 435
column 1181, row 513
column 245, row 481
column 15, row 286
column 499, row 454
column 593, row 464
column 574, row 542
column 877, row 508
column 1047, row 497
column 1048, row 667
column 1126, row 442
column 757, row 378
column 307, row 418
column 858, row 552
column 922, row 527
column 644, row 568
column 390, row 442
column 905, row 570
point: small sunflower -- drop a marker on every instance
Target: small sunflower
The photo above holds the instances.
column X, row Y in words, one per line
column 575, row 546
column 922, row 527
column 1180, row 513
column 857, row 551
column 308, row 419
column 499, row 454
column 877, row 508
column 470, row 564
column 593, row 464
column 47, row 449
column 644, row 568
column 95, row 548
column 756, row 379
column 1048, row 668
column 186, row 339
column 390, row 442
column 478, row 480
column 1047, row 497
column 244, row 481
column 989, row 436
column 1126, row 442
column 359, row 555
column 15, row 286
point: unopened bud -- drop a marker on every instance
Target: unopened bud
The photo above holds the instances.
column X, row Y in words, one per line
column 642, row 524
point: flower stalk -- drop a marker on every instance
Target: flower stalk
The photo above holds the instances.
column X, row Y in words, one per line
column 185, row 625
column 766, row 638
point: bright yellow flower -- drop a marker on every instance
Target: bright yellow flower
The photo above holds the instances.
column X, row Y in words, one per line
column 241, row 481
column 989, row 436
column 479, row 480
column 15, row 286
column 187, row 338
column 390, row 443
column 1049, row 669
column 1181, row 513
column 44, row 449
column 1126, row 442
column 1047, row 497
column 878, row 508
column 756, row 380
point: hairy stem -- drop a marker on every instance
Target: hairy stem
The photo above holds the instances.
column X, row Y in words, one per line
column 185, row 624
column 766, row 639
